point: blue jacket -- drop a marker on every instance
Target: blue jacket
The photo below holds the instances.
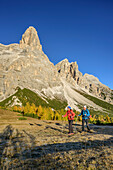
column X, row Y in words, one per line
column 83, row 112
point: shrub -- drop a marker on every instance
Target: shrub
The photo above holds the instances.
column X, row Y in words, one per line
column 19, row 115
column 22, row 118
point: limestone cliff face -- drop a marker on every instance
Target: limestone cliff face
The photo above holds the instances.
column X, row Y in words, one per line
column 88, row 83
column 30, row 39
column 69, row 71
column 97, row 88
column 25, row 65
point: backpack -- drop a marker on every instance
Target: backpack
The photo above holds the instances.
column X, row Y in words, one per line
column 70, row 113
column 89, row 117
column 87, row 113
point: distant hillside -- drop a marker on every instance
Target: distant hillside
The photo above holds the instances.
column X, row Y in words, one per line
column 22, row 96
column 107, row 107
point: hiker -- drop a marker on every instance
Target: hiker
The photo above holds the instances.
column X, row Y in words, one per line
column 71, row 116
column 85, row 116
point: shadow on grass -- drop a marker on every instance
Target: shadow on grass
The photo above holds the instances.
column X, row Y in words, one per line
column 38, row 124
column 62, row 130
column 14, row 147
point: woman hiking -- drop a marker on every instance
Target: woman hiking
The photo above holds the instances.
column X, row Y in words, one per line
column 71, row 116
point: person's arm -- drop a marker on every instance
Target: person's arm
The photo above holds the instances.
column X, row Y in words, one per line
column 80, row 114
column 64, row 115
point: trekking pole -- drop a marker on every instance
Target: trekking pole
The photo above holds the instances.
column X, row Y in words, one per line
column 62, row 126
column 76, row 122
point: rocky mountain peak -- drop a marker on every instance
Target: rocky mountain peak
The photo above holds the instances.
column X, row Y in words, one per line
column 30, row 39
column 91, row 78
column 69, row 71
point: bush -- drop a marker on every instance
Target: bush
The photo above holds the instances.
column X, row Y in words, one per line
column 31, row 115
column 22, row 118
column 19, row 115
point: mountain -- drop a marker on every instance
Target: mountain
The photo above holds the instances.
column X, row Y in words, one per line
column 88, row 83
column 25, row 66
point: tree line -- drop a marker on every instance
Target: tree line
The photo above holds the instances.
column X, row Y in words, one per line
column 47, row 113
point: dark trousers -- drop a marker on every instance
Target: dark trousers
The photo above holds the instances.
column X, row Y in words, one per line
column 87, row 124
column 70, row 126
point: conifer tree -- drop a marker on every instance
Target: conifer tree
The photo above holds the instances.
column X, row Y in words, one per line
column 15, row 108
column 40, row 111
column 27, row 108
column 108, row 119
column 32, row 109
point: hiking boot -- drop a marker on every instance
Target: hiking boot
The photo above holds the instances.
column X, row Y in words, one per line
column 71, row 133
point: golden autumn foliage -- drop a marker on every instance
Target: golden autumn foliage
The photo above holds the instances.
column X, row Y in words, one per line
column 15, row 108
column 108, row 119
column 44, row 113
column 40, row 111
column 47, row 113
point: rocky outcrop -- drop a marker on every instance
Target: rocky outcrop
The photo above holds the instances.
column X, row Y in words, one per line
column 30, row 39
column 69, row 71
column 25, row 65
column 88, row 83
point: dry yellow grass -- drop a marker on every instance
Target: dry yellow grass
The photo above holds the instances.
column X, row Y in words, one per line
column 39, row 144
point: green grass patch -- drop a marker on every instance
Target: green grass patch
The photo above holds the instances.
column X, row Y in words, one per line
column 22, row 118
column 19, row 115
column 31, row 115
column 57, row 104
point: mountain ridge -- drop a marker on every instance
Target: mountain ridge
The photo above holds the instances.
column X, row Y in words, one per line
column 25, row 65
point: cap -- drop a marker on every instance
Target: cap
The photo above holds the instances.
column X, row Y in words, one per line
column 69, row 107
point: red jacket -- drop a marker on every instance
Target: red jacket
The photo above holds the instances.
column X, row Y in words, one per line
column 70, row 115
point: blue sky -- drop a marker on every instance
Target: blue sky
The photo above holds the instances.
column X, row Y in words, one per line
column 80, row 30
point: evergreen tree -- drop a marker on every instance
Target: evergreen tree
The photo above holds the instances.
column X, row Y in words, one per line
column 27, row 108
column 40, row 111
column 32, row 109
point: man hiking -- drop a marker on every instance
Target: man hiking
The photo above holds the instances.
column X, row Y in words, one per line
column 71, row 116
column 85, row 116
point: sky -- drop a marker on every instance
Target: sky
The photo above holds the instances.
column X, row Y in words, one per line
column 79, row 30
